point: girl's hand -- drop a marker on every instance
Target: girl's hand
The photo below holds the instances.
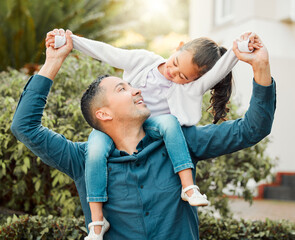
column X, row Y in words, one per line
column 258, row 59
column 260, row 55
column 50, row 37
column 55, row 57
column 254, row 41
column 63, row 51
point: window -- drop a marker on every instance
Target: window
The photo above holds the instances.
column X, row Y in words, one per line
column 223, row 11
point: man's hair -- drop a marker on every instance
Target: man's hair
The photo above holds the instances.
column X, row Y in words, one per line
column 93, row 98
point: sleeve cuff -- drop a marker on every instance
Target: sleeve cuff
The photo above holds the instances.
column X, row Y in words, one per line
column 264, row 92
column 39, row 84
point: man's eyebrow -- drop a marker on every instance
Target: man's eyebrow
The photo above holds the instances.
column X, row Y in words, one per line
column 178, row 65
column 121, row 84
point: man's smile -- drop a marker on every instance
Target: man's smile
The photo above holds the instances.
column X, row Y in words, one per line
column 138, row 101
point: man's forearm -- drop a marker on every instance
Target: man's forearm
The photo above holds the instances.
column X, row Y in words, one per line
column 50, row 68
column 214, row 140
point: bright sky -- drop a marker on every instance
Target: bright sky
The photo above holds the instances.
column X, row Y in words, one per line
column 157, row 6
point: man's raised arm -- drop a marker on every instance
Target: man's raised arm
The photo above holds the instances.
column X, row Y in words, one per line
column 53, row 149
column 230, row 136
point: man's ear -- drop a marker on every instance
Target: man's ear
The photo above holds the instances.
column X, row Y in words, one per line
column 180, row 45
column 103, row 115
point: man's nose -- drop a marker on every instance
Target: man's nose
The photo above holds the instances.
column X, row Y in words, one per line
column 136, row 91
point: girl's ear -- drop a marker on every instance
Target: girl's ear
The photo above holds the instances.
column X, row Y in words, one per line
column 180, row 45
column 103, row 115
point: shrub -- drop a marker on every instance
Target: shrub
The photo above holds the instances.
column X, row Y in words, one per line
column 230, row 229
column 24, row 24
column 37, row 227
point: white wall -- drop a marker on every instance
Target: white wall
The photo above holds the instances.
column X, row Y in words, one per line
column 260, row 16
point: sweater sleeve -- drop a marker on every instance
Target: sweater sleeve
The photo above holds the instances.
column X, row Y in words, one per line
column 218, row 139
column 53, row 148
column 219, row 71
column 125, row 59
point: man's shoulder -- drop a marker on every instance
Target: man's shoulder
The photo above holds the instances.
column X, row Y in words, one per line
column 188, row 130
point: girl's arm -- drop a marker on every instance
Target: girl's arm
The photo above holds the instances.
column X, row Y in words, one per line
column 248, row 41
column 116, row 57
column 218, row 72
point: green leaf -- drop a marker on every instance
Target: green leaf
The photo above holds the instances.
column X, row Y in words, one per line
column 27, row 162
column 37, row 185
column 45, row 230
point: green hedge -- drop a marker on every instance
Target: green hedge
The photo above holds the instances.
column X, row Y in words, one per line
column 231, row 229
column 37, row 227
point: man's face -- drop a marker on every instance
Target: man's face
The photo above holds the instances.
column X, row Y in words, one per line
column 124, row 101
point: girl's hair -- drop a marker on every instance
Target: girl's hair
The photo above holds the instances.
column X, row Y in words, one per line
column 206, row 53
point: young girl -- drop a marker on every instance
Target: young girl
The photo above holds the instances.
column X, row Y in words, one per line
column 173, row 86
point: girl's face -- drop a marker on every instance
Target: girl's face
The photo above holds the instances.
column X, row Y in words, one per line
column 180, row 68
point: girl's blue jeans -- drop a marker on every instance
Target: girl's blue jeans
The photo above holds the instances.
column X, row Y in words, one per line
column 100, row 145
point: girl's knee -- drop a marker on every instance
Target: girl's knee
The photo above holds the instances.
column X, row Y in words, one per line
column 170, row 121
column 162, row 124
column 95, row 135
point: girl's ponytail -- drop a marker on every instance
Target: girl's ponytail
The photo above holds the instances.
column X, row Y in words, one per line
column 221, row 93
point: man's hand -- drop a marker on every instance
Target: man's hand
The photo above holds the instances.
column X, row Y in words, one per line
column 55, row 57
column 258, row 59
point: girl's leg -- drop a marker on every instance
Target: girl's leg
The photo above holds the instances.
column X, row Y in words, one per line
column 96, row 214
column 168, row 128
column 98, row 150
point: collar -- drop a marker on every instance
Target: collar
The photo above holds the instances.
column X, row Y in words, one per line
column 144, row 142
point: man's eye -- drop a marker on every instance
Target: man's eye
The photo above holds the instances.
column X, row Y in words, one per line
column 174, row 63
column 121, row 89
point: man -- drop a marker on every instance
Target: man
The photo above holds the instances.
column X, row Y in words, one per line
column 143, row 190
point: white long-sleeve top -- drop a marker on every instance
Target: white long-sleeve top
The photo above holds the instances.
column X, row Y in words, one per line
column 184, row 101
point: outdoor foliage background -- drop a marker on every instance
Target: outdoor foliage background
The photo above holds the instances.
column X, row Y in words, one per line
column 51, row 227
column 30, row 186
column 24, row 24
